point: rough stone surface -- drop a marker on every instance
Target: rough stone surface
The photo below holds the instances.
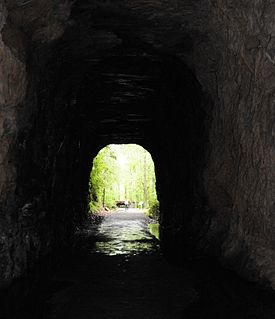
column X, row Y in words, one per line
column 13, row 82
column 240, row 171
column 16, row 241
column 75, row 76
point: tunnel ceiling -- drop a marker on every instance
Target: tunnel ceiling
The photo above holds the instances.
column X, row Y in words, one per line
column 120, row 67
column 124, row 98
column 165, row 25
column 122, row 55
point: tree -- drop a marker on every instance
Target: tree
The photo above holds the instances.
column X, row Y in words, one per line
column 102, row 179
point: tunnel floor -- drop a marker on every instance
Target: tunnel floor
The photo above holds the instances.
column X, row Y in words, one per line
column 117, row 270
column 121, row 273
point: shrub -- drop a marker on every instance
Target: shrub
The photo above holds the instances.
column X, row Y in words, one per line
column 154, row 210
column 94, row 207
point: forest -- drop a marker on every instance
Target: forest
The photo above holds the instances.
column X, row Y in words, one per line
column 123, row 172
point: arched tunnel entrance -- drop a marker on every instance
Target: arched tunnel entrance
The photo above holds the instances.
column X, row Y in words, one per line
column 189, row 81
column 121, row 173
column 126, row 94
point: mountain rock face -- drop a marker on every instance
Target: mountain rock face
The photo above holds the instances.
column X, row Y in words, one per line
column 191, row 81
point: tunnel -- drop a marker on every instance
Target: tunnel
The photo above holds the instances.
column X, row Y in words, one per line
column 127, row 95
column 190, row 81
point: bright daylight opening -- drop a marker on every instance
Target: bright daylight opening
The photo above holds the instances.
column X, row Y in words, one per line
column 123, row 177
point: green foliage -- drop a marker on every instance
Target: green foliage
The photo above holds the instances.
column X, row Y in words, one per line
column 94, row 206
column 102, row 178
column 122, row 172
column 153, row 211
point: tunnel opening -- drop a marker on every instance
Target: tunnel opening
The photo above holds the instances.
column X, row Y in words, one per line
column 123, row 175
column 123, row 181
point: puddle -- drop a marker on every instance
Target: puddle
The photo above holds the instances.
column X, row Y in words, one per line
column 124, row 233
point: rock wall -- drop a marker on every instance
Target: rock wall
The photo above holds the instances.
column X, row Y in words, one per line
column 13, row 83
column 232, row 56
column 21, row 25
column 239, row 177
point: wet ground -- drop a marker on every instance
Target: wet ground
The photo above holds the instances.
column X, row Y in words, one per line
column 122, row 274
column 117, row 271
